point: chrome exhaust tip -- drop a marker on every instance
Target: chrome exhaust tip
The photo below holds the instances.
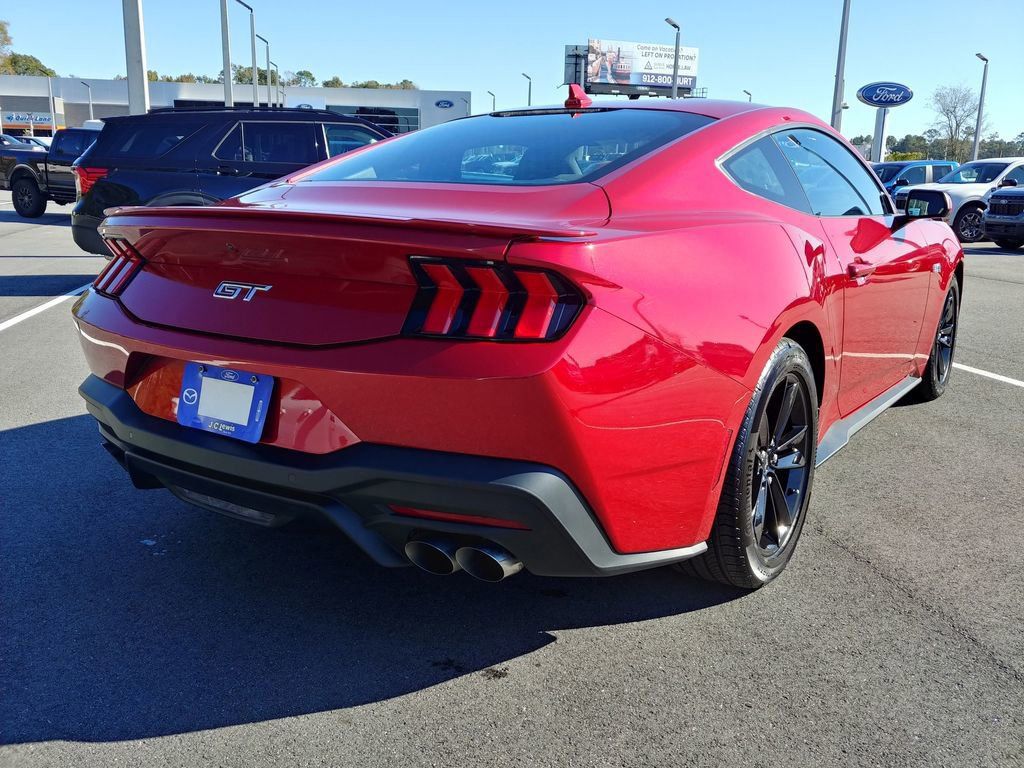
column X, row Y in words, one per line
column 488, row 562
column 434, row 556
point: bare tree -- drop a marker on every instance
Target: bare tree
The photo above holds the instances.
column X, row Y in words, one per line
column 955, row 107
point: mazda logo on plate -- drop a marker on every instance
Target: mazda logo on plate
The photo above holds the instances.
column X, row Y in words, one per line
column 189, row 396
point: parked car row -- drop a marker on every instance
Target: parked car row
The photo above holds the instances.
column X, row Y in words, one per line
column 202, row 156
column 35, row 175
column 171, row 157
column 969, row 187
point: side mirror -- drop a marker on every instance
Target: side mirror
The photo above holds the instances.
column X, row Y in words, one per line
column 927, row 204
column 902, row 183
column 1008, row 183
column 923, row 204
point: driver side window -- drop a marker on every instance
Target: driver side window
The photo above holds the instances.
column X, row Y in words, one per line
column 836, row 183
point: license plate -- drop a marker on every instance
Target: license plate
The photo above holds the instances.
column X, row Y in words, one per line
column 226, row 401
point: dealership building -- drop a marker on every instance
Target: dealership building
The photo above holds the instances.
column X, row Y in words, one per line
column 35, row 104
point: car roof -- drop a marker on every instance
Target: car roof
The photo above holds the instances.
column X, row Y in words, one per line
column 237, row 113
column 716, row 108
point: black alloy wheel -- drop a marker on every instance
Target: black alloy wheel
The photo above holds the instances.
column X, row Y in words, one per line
column 945, row 338
column 27, row 198
column 767, row 487
column 779, row 472
column 940, row 362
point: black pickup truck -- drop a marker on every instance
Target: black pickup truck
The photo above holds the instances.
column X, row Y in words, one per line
column 35, row 177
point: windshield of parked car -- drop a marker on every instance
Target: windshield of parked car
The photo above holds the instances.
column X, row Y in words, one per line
column 888, row 171
column 517, row 148
column 975, row 173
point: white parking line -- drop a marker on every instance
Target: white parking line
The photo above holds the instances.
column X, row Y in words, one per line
column 42, row 307
column 990, row 375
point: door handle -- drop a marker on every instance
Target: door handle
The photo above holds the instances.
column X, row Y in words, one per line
column 226, row 170
column 859, row 268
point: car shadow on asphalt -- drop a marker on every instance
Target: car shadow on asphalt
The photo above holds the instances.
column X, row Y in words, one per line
column 42, row 285
column 128, row 614
column 9, row 216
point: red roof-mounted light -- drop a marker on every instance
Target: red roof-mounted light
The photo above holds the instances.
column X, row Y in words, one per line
column 578, row 98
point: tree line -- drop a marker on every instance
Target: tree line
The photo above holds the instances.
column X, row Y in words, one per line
column 12, row 63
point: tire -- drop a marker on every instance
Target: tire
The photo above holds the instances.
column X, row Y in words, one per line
column 28, row 199
column 740, row 552
column 940, row 362
column 968, row 224
column 1009, row 245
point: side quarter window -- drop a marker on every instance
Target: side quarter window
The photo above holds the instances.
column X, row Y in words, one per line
column 761, row 169
column 836, row 183
column 343, row 138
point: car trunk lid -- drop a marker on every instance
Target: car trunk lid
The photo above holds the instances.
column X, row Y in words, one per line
column 310, row 265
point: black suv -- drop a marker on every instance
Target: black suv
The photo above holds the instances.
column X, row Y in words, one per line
column 202, row 156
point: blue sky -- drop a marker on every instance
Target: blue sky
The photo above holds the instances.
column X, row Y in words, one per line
column 783, row 52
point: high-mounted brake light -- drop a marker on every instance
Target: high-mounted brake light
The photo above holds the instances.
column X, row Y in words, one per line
column 122, row 268
column 578, row 98
column 86, row 177
column 490, row 300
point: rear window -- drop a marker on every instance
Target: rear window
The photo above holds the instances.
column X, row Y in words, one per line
column 524, row 148
column 143, row 138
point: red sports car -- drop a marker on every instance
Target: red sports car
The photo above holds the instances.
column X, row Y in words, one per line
column 584, row 340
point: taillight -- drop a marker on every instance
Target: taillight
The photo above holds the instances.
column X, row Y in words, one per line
column 490, row 300
column 122, row 268
column 86, row 177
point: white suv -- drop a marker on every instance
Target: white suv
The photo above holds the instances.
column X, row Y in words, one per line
column 968, row 187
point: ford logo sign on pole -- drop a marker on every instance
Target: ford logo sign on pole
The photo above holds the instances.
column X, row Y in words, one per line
column 444, row 104
column 883, row 96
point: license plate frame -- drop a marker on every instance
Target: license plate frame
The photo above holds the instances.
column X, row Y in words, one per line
column 226, row 401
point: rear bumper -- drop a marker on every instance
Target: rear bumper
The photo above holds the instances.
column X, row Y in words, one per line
column 85, row 233
column 355, row 486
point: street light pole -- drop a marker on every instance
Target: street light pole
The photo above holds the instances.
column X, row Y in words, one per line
column 268, row 67
column 837, row 94
column 277, row 84
column 750, row 96
column 225, row 44
column 135, row 57
column 529, row 90
column 981, row 108
column 494, row 102
column 252, row 38
column 90, row 97
column 675, row 61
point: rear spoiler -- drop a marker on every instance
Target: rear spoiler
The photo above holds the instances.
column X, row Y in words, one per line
column 229, row 218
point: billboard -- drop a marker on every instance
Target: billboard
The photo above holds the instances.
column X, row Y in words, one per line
column 617, row 66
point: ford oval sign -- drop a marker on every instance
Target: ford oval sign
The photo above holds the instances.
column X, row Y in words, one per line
column 885, row 94
column 444, row 104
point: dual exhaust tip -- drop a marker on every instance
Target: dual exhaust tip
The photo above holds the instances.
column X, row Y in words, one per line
column 487, row 562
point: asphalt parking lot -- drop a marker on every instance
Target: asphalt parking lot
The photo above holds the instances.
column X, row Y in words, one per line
column 135, row 630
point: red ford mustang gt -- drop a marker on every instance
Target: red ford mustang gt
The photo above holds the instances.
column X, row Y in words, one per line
column 583, row 340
